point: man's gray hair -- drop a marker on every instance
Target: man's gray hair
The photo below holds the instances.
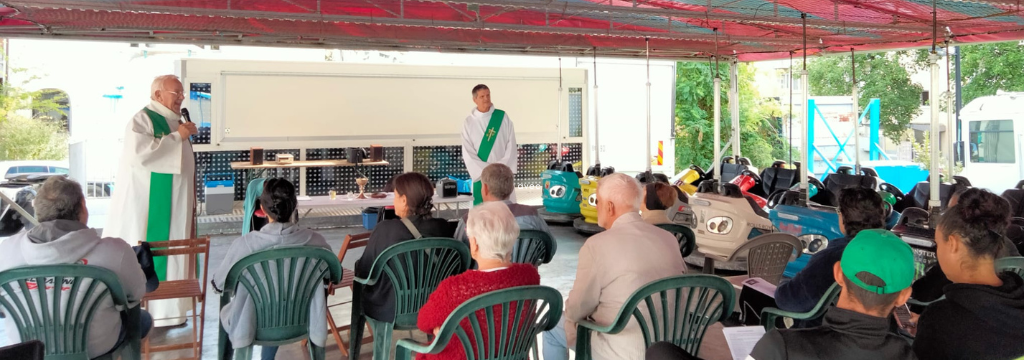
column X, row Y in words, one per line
column 158, row 84
column 622, row 190
column 59, row 198
column 494, row 228
column 499, row 180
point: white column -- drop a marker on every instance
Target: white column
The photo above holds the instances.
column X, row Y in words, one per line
column 933, row 102
column 734, row 106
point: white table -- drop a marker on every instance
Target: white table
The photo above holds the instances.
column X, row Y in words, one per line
column 342, row 200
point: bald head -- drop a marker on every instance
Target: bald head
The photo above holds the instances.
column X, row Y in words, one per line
column 168, row 91
column 617, row 194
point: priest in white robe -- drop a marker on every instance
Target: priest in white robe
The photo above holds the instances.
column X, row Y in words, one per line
column 487, row 138
column 154, row 196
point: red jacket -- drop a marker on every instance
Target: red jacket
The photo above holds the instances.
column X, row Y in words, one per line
column 455, row 290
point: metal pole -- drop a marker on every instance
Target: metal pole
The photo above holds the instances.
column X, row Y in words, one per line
column 959, row 99
column 856, row 114
column 597, row 125
column 804, row 194
column 734, row 106
column 789, row 80
column 933, row 105
column 718, row 128
column 558, row 118
column 648, row 41
column 950, row 121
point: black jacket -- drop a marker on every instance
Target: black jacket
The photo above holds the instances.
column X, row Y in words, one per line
column 379, row 300
column 845, row 335
column 974, row 322
column 930, row 286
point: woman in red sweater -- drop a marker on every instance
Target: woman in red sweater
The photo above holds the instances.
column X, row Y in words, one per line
column 492, row 234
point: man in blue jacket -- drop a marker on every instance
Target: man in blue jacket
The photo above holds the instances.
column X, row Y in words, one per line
column 859, row 209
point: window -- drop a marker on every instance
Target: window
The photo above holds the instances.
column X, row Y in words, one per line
column 991, row 141
column 59, row 170
column 31, row 169
column 575, row 112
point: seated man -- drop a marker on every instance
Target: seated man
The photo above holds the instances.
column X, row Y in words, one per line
column 875, row 273
column 493, row 234
column 496, row 184
column 658, row 199
column 62, row 237
column 612, row 265
column 859, row 209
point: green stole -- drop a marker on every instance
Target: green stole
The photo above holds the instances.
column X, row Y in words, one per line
column 161, row 193
column 484, row 151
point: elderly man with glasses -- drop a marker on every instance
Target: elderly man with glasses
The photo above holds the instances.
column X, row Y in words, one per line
column 154, row 197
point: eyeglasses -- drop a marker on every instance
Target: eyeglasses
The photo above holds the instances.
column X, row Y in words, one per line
column 178, row 94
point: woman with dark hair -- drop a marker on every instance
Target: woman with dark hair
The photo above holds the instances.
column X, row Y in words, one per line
column 278, row 201
column 414, row 195
column 658, row 199
column 982, row 316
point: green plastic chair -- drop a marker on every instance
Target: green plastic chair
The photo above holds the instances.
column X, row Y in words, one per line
column 770, row 315
column 415, row 268
column 708, row 299
column 534, row 247
column 687, row 241
column 282, row 304
column 536, row 308
column 1014, row 264
column 53, row 318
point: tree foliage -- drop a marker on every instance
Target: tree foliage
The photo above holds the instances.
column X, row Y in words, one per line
column 879, row 75
column 24, row 137
column 759, row 136
column 986, row 68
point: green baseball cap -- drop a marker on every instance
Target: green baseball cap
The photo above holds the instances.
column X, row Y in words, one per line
column 880, row 253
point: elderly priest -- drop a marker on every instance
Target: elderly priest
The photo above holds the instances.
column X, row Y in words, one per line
column 154, row 197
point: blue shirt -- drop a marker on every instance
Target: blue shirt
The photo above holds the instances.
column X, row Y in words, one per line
column 808, row 286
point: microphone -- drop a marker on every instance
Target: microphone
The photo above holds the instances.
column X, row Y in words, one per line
column 184, row 115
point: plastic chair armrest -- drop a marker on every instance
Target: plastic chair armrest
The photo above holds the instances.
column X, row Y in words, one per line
column 367, row 282
column 770, row 314
column 592, row 326
column 421, row 348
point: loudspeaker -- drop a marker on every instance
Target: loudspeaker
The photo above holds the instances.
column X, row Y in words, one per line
column 447, row 188
column 256, row 156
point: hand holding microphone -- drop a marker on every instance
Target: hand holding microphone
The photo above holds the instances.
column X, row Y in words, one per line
column 186, row 126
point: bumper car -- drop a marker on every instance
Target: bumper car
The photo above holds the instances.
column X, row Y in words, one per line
column 1016, row 198
column 688, row 180
column 919, row 195
column 914, row 230
column 724, row 221
column 562, row 194
column 21, row 190
column 588, row 203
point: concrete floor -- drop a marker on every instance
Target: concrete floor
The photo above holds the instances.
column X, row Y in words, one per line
column 558, row 274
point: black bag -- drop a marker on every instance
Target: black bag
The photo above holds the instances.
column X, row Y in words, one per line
column 145, row 256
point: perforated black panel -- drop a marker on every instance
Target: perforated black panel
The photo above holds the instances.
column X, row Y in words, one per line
column 219, row 162
column 319, row 181
column 439, row 162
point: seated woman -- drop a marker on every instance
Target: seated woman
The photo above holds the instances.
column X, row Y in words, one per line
column 238, row 317
column 414, row 195
column 982, row 316
column 658, row 199
column 493, row 232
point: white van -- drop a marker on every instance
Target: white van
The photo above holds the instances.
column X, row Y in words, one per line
column 993, row 131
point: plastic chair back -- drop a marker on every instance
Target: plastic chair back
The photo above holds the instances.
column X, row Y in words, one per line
column 687, row 241
column 768, row 254
column 770, row 315
column 534, row 247
column 281, row 283
column 1014, row 264
column 415, row 268
column 252, row 194
column 498, row 325
column 60, row 319
column 677, row 309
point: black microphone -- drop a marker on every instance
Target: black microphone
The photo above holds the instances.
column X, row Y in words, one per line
column 184, row 115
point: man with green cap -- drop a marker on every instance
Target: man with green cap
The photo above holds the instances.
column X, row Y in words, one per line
column 875, row 272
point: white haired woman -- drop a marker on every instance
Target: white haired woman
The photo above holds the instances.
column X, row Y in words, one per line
column 492, row 234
